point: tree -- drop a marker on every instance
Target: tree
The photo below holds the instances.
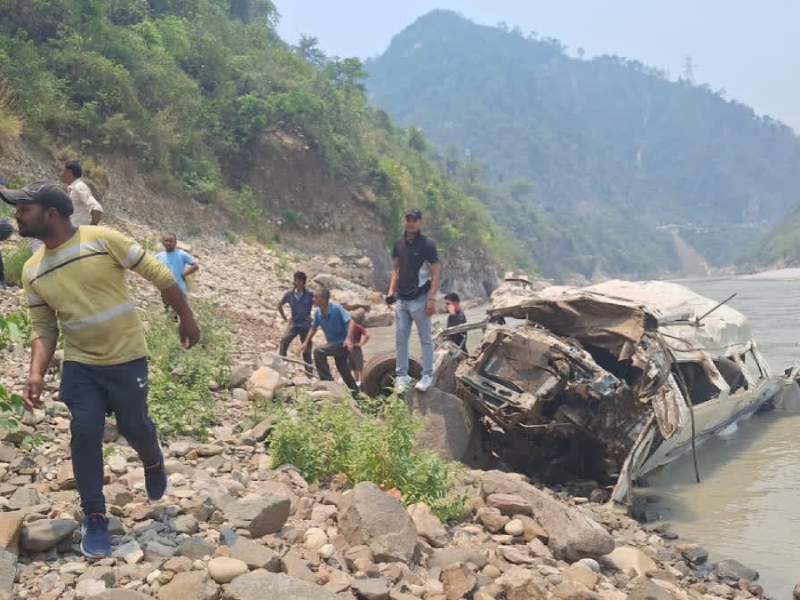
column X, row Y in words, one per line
column 416, row 139
column 307, row 49
column 581, row 53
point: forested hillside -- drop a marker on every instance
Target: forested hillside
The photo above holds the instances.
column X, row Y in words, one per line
column 207, row 98
column 596, row 154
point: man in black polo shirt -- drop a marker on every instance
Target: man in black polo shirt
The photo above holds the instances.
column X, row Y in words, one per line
column 415, row 281
column 300, row 299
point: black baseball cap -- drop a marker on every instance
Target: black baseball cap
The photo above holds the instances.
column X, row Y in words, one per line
column 414, row 213
column 49, row 195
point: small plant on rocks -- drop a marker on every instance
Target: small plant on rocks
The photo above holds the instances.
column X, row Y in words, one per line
column 180, row 399
column 15, row 328
column 326, row 439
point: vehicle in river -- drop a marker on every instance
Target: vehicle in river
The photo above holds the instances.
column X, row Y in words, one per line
column 613, row 380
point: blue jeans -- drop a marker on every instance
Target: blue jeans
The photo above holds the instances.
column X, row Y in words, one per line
column 90, row 391
column 408, row 311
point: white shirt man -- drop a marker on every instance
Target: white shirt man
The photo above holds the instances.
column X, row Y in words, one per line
column 83, row 203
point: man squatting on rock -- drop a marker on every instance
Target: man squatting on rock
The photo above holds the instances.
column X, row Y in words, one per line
column 415, row 280
column 78, row 280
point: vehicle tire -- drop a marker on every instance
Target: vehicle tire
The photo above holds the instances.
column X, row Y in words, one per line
column 377, row 380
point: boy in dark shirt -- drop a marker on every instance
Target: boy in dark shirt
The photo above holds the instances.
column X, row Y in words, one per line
column 300, row 299
column 455, row 317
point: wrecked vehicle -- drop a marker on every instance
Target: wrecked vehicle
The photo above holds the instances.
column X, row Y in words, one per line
column 616, row 379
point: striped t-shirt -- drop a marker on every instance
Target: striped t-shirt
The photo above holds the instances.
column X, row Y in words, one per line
column 82, row 285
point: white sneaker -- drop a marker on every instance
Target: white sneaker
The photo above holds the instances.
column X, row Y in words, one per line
column 425, row 383
column 401, row 384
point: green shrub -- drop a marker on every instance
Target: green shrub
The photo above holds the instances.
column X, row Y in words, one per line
column 14, row 329
column 15, row 261
column 180, row 400
column 323, row 440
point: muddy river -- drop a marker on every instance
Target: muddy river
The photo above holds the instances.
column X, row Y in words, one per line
column 748, row 504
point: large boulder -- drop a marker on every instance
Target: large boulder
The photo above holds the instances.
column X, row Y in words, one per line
column 260, row 515
column 572, row 534
column 448, row 423
column 263, row 384
column 274, row 586
column 373, row 518
column 734, row 571
column 350, row 300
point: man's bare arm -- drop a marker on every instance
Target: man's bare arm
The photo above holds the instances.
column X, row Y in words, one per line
column 96, row 216
column 310, row 335
column 190, row 269
column 42, row 350
column 394, row 278
column 188, row 329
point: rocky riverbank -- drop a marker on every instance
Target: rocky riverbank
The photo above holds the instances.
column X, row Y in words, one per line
column 235, row 526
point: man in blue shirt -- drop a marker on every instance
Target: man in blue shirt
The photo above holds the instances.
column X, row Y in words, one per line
column 301, row 300
column 179, row 262
column 339, row 328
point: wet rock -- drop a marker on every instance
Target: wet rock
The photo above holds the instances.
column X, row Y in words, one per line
column 225, row 570
column 626, row 558
column 259, row 515
column 509, row 504
column 572, row 534
column 458, row 581
column 521, row 584
column 196, row 585
column 372, row 588
column 695, row 555
column 371, row 517
column 44, row 534
column 447, row 423
column 270, row 585
column 734, row 570
column 263, row 383
column 428, row 525
column 195, row 548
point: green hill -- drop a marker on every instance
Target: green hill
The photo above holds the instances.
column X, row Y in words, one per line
column 611, row 148
column 201, row 92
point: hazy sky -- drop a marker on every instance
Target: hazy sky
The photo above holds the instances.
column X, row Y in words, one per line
column 751, row 49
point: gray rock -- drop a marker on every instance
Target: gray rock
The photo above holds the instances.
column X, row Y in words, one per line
column 196, row 585
column 8, row 572
column 89, row 588
column 449, row 556
column 373, row 588
column 224, row 569
column 23, row 498
column 186, row 524
column 44, row 534
column 734, row 570
column 99, row 573
column 131, row 552
column 371, row 517
column 195, row 548
column 572, row 534
column 260, row 515
column 448, row 423
column 117, row 494
column 296, row 567
column 7, row 453
column 428, row 525
column 274, row 586
column 696, row 555
column 121, row 594
column 647, row 590
column 251, row 553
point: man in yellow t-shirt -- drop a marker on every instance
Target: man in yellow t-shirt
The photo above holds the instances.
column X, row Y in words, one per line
column 78, row 280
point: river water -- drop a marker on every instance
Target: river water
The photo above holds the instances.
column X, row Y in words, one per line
column 747, row 505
